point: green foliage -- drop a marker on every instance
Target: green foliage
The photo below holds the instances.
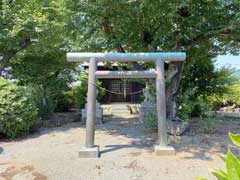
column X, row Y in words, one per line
column 32, row 42
column 28, row 23
column 17, row 111
column 204, row 88
column 80, row 91
column 231, row 98
column 190, row 105
column 201, row 107
column 232, row 163
column 150, row 119
column 185, row 108
column 203, row 29
column 42, row 31
column 150, row 25
column 49, row 76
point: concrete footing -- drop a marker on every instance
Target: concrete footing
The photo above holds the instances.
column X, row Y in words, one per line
column 164, row 150
column 89, row 152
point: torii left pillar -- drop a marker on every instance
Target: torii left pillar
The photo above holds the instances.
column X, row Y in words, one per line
column 90, row 150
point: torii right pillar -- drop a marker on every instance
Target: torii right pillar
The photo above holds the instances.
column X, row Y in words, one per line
column 162, row 147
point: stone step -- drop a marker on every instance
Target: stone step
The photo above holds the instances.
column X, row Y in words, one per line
column 120, row 107
column 120, row 114
column 120, row 110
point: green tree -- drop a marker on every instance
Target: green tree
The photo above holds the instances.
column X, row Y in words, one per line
column 38, row 62
column 143, row 26
column 48, row 74
column 28, row 22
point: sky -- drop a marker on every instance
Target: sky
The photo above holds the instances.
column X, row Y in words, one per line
column 232, row 61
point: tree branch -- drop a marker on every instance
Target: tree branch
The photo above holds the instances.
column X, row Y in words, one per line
column 204, row 37
column 12, row 53
column 172, row 72
column 109, row 30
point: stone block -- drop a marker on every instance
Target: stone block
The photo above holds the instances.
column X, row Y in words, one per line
column 177, row 127
column 89, row 152
column 164, row 150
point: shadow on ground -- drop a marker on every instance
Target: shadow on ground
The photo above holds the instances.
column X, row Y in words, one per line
column 1, row 150
column 189, row 146
column 193, row 145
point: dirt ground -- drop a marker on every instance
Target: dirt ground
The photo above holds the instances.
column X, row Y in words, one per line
column 126, row 153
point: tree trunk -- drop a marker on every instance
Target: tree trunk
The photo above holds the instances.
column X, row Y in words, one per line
column 172, row 89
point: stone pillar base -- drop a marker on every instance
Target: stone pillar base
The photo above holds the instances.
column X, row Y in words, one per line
column 89, row 152
column 164, row 150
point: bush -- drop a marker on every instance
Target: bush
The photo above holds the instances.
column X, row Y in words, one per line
column 43, row 101
column 49, row 100
column 203, row 88
column 185, row 100
column 17, row 112
column 64, row 102
column 150, row 119
column 191, row 105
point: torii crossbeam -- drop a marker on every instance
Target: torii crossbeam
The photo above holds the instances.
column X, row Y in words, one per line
column 162, row 148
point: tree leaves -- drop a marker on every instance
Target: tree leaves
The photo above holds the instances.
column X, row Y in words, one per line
column 38, row 22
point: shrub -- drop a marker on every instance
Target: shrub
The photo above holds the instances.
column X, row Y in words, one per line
column 17, row 112
column 204, row 88
column 150, row 119
column 64, row 101
column 44, row 103
column 191, row 105
column 186, row 106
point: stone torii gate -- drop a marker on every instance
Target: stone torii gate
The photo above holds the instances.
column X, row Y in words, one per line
column 162, row 148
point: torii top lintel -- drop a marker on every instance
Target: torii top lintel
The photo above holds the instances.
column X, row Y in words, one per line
column 86, row 56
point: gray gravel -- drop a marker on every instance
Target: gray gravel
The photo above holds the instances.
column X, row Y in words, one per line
column 127, row 153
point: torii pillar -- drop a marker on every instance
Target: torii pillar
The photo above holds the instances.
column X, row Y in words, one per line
column 90, row 150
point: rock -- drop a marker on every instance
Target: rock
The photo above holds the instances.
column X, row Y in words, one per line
column 177, row 127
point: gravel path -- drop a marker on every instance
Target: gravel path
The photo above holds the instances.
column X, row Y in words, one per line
column 126, row 154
